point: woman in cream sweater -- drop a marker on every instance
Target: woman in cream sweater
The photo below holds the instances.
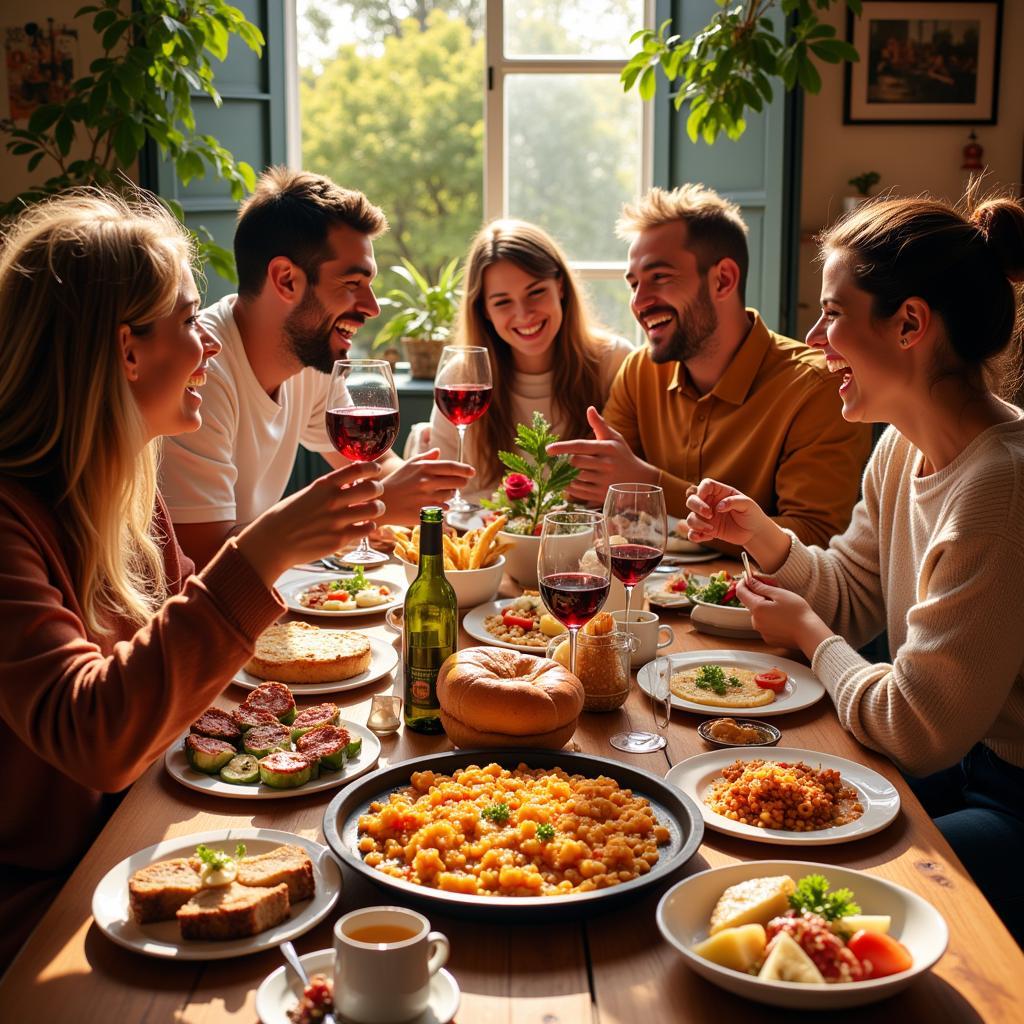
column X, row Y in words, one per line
column 524, row 305
column 110, row 645
column 919, row 316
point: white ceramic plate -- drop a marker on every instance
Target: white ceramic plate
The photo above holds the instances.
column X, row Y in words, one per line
column 383, row 659
column 685, row 909
column 656, row 593
column 682, row 550
column 291, row 591
column 802, row 690
column 877, row 794
column 280, row 992
column 181, row 771
column 163, row 938
column 473, row 624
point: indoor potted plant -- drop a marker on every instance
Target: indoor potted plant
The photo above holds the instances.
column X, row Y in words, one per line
column 424, row 316
column 863, row 183
column 535, row 485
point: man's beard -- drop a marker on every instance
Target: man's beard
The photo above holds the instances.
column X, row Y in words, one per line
column 695, row 325
column 307, row 331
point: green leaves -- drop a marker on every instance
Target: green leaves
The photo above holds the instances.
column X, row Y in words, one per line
column 156, row 54
column 427, row 310
column 726, row 69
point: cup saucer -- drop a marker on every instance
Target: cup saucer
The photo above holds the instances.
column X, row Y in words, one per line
column 276, row 995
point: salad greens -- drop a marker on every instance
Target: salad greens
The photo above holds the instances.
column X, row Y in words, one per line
column 352, row 584
column 812, row 894
column 720, row 589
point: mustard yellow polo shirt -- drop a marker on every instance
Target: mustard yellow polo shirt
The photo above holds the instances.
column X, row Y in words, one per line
column 771, row 427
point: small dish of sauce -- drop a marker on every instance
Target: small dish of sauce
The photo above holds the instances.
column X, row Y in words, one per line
column 738, row 732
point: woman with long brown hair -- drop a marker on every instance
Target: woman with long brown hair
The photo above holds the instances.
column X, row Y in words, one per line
column 110, row 645
column 523, row 304
column 921, row 323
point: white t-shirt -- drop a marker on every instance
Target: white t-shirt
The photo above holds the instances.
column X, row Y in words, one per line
column 237, row 464
column 531, row 392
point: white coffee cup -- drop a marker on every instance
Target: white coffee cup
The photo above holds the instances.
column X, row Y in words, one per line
column 647, row 628
column 384, row 958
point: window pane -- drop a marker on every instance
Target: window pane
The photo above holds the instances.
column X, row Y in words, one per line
column 583, row 28
column 572, row 152
column 609, row 303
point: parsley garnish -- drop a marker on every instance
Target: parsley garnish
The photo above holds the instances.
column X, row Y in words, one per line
column 218, row 859
column 812, row 895
column 497, row 813
column 545, row 832
column 353, row 584
column 711, row 677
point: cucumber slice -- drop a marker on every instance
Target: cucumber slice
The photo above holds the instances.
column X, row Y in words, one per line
column 242, row 769
column 354, row 748
column 283, row 770
column 206, row 754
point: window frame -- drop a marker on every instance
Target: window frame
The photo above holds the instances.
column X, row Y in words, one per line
column 497, row 67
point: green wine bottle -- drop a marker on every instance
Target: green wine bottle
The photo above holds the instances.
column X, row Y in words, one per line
column 430, row 630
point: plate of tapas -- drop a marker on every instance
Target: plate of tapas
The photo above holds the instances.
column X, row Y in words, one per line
column 520, row 623
column 343, row 596
column 787, row 796
column 713, row 682
column 265, row 748
column 801, row 935
column 214, row 895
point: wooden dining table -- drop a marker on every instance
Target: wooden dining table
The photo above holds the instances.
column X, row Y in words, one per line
column 608, row 965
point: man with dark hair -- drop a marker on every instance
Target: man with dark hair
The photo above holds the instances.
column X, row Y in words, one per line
column 715, row 393
column 304, row 251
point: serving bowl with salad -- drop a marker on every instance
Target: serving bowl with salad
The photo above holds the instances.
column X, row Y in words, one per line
column 801, row 935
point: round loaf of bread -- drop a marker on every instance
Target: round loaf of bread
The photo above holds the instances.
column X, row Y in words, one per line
column 298, row 652
column 493, row 697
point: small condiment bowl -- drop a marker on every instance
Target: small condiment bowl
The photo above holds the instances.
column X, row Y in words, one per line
column 773, row 735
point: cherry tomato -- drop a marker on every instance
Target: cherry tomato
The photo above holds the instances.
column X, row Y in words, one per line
column 511, row 619
column 881, row 954
column 774, row 680
column 730, row 593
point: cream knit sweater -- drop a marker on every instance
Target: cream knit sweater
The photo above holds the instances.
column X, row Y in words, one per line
column 937, row 560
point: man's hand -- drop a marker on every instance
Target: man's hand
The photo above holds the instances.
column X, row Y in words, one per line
column 423, row 480
column 602, row 462
column 783, row 618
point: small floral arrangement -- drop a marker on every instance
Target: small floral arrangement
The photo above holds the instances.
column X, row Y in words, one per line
column 537, row 482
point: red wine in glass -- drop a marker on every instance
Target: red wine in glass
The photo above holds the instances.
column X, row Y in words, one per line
column 362, row 433
column 574, row 598
column 632, row 563
column 463, row 404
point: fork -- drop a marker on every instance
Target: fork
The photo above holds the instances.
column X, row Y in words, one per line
column 291, row 958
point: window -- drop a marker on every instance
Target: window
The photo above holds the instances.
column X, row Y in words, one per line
column 565, row 147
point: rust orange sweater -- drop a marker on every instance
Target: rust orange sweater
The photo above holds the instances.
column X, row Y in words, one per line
column 81, row 716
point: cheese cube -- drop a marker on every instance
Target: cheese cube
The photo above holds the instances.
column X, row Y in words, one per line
column 738, row 948
column 755, row 901
column 879, row 923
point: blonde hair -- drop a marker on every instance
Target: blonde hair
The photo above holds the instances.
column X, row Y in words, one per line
column 715, row 228
column 73, row 269
column 581, row 345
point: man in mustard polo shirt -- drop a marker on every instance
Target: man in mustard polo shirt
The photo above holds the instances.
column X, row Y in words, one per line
column 715, row 393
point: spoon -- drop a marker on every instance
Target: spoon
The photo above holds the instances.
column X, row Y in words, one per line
column 291, row 958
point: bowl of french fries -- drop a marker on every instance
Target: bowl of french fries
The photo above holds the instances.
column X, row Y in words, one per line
column 473, row 563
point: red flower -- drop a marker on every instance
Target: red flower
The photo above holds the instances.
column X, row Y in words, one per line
column 518, row 486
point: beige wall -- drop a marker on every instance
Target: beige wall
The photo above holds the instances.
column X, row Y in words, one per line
column 910, row 158
column 14, row 177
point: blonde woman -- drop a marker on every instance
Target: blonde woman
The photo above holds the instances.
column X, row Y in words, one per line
column 919, row 307
column 524, row 305
column 110, row 646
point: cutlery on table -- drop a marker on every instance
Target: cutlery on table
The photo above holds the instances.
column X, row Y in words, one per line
column 291, row 958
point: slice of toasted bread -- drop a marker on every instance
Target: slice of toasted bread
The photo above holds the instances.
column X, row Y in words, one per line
column 233, row 911
column 156, row 892
column 288, row 864
column 298, row 652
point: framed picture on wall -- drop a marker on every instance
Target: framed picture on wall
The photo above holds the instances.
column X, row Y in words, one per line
column 923, row 62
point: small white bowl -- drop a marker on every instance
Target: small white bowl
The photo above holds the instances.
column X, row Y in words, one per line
column 521, row 557
column 684, row 912
column 724, row 615
column 471, row 586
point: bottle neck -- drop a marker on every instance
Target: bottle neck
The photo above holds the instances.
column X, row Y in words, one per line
column 431, row 549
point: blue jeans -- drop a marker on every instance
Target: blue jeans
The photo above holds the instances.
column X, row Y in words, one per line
column 978, row 805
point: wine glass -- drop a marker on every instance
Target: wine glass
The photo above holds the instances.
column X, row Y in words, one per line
column 462, row 392
column 362, row 423
column 573, row 568
column 638, row 528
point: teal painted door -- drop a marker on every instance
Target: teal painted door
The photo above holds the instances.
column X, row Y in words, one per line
column 759, row 171
column 250, row 123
